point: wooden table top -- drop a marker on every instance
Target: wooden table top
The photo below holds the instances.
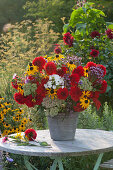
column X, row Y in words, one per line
column 87, row 141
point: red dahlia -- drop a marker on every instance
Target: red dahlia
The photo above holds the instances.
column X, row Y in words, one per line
column 19, row 98
column 61, row 71
column 14, row 83
column 75, row 93
column 29, row 101
column 103, row 68
column 78, row 108
column 44, row 80
column 74, row 79
column 90, row 64
column 41, row 90
column 95, row 34
column 40, row 62
column 94, row 53
column 62, row 93
column 109, row 33
column 103, row 87
column 68, row 39
column 79, row 70
column 39, row 99
column 57, row 49
column 97, row 103
column 30, row 134
column 95, row 94
column 50, row 68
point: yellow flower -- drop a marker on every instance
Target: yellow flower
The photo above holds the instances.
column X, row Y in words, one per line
column 6, row 125
column 20, row 111
column 58, row 57
column 7, row 104
column 84, row 102
column 20, row 88
column 1, row 117
column 11, row 131
column 17, row 118
column 16, row 130
column 85, row 94
column 5, row 133
column 48, row 58
column 6, row 109
column 24, row 121
column 1, row 106
column 32, row 70
column 22, row 127
column 52, row 93
column 86, row 70
column 30, row 120
column 1, row 98
column 71, row 65
column 19, row 136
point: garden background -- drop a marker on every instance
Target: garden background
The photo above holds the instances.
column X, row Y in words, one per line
column 32, row 28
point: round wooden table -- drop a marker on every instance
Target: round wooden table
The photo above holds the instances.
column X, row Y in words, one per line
column 87, row 141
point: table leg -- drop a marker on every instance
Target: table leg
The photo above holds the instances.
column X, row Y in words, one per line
column 57, row 160
column 98, row 161
column 28, row 165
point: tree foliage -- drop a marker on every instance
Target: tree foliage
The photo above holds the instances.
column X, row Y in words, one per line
column 11, row 11
column 54, row 10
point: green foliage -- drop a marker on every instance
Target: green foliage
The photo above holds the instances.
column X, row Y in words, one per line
column 54, row 10
column 83, row 21
column 29, row 88
column 106, row 6
column 11, row 11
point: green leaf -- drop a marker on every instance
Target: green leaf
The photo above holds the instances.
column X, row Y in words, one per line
column 44, row 144
column 76, row 17
column 81, row 26
column 110, row 26
column 65, row 28
column 108, row 88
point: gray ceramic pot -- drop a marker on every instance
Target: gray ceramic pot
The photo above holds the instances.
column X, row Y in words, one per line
column 63, row 126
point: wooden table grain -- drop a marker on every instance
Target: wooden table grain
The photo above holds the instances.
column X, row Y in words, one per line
column 87, row 141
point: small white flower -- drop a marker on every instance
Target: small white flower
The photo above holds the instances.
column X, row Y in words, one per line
column 14, row 76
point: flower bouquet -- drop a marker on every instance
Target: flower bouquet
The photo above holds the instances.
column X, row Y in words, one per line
column 60, row 85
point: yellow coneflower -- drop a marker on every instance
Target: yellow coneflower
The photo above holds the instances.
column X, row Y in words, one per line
column 16, row 130
column 7, row 104
column 30, row 120
column 6, row 109
column 85, row 94
column 20, row 111
column 22, row 127
column 71, row 65
column 32, row 69
column 6, row 125
column 1, row 106
column 52, row 93
column 5, row 133
column 1, row 117
column 20, row 88
column 24, row 120
column 48, row 58
column 86, row 70
column 17, row 118
column 1, row 98
column 58, row 57
column 11, row 131
column 84, row 102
